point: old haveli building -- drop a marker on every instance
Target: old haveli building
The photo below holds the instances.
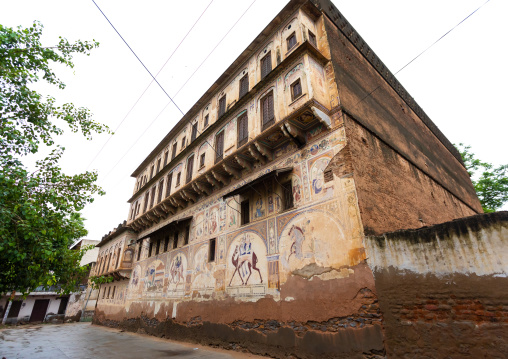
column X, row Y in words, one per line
column 247, row 221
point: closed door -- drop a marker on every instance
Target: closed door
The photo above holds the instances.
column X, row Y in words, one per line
column 39, row 310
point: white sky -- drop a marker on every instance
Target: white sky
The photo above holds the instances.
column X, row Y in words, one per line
column 461, row 82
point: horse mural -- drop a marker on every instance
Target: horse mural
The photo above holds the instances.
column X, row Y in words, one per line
column 244, row 258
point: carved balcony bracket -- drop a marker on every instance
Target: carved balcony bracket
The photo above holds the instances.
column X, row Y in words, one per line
column 203, row 188
column 322, row 117
column 265, row 151
column 191, row 196
column 211, row 179
column 256, row 154
column 220, row 177
column 244, row 163
column 295, row 133
column 235, row 172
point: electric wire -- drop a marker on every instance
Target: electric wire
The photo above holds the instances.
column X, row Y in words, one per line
column 171, row 99
column 421, row 53
column 151, row 82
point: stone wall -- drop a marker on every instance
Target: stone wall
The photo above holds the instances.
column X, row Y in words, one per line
column 443, row 290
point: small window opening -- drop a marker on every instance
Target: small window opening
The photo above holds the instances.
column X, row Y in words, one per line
column 296, row 90
column 187, row 235
column 175, row 240
column 205, row 125
column 211, row 250
column 222, row 105
column 245, row 212
column 287, row 194
column 291, row 41
column 202, row 160
column 312, row 39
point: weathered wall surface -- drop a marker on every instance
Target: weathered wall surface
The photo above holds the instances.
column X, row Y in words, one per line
column 290, row 282
column 371, row 101
column 443, row 290
column 392, row 192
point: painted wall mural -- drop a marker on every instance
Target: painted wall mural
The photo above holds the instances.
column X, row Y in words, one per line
column 247, row 264
column 254, row 260
column 176, row 276
column 312, row 237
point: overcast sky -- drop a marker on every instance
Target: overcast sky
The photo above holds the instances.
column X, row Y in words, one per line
column 461, row 82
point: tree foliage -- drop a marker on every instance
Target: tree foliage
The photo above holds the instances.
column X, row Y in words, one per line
column 490, row 183
column 39, row 209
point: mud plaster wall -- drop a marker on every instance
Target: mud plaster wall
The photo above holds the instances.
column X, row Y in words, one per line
column 384, row 113
column 443, row 290
column 393, row 193
column 310, row 292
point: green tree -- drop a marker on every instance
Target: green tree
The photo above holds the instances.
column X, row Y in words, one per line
column 39, row 208
column 490, row 183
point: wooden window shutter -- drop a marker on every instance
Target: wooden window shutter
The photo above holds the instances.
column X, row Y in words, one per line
column 190, row 165
column 168, row 184
column 219, row 146
column 268, row 116
column 152, row 197
column 266, row 65
column 222, row 106
column 194, row 131
column 243, row 130
column 173, row 153
column 147, row 198
column 159, row 195
column 244, row 85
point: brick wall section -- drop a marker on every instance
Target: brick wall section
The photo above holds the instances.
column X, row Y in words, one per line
column 365, row 95
column 443, row 290
column 394, row 194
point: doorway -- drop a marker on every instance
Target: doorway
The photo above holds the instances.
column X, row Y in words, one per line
column 39, row 310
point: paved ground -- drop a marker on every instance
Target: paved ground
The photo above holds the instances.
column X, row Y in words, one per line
column 83, row 340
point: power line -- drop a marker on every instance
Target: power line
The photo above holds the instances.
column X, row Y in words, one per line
column 171, row 100
column 152, row 81
column 421, row 53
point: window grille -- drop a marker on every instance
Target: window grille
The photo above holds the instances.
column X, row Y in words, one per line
column 266, row 65
column 267, row 111
column 222, row 105
column 244, row 85
column 243, row 129
column 219, row 146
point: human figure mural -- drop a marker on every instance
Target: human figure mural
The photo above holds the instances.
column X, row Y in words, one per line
column 296, row 237
column 176, row 271
column 244, row 259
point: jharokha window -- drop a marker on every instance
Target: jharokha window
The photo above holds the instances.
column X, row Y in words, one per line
column 159, row 195
column 244, row 85
column 266, row 65
column 267, row 111
column 168, row 184
column 173, row 153
column 194, row 131
column 291, row 41
column 222, row 105
column 296, row 90
column 190, row 166
column 243, row 129
column 312, row 39
column 219, row 146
